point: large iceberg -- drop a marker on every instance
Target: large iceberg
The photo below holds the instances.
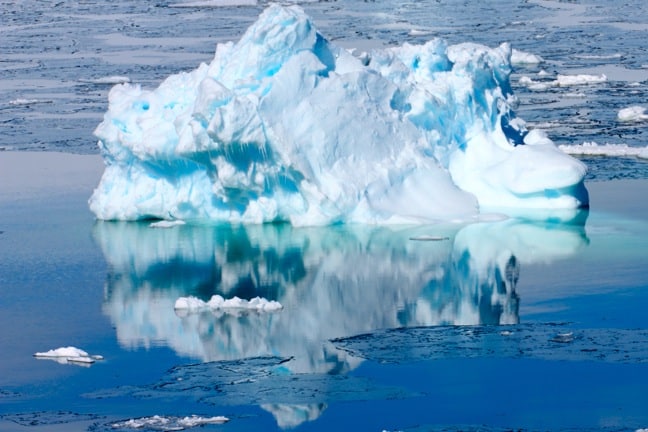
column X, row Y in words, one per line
column 286, row 126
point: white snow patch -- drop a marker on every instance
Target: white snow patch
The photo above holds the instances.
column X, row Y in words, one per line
column 68, row 354
column 217, row 302
column 165, row 423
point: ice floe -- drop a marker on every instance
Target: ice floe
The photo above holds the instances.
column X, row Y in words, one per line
column 595, row 149
column 217, row 302
column 522, row 58
column 168, row 423
column 167, row 223
column 634, row 113
column 562, row 81
column 68, row 354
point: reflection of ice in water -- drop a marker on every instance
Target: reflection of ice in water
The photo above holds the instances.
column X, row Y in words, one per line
column 333, row 282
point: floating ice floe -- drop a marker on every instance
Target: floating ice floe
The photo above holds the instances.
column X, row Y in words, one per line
column 523, row 58
column 632, row 114
column 68, row 355
column 595, row 149
column 167, row 223
column 166, row 423
column 217, row 302
column 214, row 3
column 283, row 125
column 109, row 80
column 21, row 101
column 562, row 81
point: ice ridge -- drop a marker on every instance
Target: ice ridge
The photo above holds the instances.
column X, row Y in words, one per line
column 285, row 126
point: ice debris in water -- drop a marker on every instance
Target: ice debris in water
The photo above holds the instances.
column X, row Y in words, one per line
column 595, row 149
column 632, row 114
column 68, row 355
column 285, row 126
column 167, row 223
column 217, row 302
column 164, row 423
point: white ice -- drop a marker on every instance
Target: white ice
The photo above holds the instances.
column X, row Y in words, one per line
column 595, row 149
column 632, row 114
column 214, row 3
column 68, row 354
column 109, row 80
column 167, row 223
column 166, row 423
column 562, row 81
column 283, row 125
column 523, row 58
column 23, row 101
column 217, row 302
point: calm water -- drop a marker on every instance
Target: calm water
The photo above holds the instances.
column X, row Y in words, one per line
column 493, row 326
column 510, row 324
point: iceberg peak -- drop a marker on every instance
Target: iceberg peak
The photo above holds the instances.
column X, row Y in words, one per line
column 285, row 126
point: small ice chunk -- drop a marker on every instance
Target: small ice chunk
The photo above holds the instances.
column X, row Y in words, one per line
column 632, row 114
column 595, row 149
column 167, row 224
column 68, row 354
column 22, row 101
column 522, row 58
column 214, row 3
column 563, row 337
column 217, row 302
column 109, row 80
column 581, row 79
column 428, row 238
column 166, row 423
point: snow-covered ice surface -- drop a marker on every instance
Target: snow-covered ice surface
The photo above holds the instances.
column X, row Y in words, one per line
column 409, row 134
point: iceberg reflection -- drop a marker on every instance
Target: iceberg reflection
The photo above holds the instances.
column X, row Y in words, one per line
column 333, row 282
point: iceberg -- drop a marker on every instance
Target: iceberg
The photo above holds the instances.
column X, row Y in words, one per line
column 284, row 125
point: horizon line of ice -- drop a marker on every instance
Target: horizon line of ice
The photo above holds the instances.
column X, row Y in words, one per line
column 285, row 126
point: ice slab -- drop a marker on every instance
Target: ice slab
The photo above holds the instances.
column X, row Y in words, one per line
column 284, row 125
column 166, row 423
column 217, row 302
column 67, row 355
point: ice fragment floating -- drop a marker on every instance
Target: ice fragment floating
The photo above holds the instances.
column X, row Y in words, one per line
column 285, row 126
column 69, row 354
